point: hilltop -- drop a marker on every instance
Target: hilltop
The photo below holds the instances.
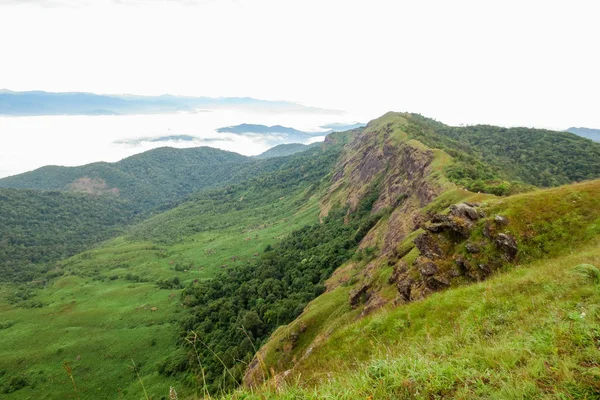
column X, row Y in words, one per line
column 333, row 271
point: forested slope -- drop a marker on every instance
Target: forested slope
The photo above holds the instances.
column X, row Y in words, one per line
column 37, row 227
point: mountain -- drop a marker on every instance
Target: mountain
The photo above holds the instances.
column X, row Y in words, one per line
column 398, row 319
column 339, row 127
column 148, row 180
column 35, row 103
column 289, row 133
column 385, row 186
column 283, row 150
column 593, row 134
column 142, row 272
column 405, row 259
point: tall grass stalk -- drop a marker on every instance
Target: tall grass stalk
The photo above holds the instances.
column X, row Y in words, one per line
column 140, row 379
column 69, row 371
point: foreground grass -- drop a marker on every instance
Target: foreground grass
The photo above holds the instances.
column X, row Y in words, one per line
column 533, row 332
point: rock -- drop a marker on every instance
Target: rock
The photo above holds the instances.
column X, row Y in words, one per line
column 436, row 283
column 294, row 337
column 484, row 268
column 472, row 248
column 436, row 227
column 427, row 268
column 488, row 230
column 427, row 246
column 464, row 210
column 375, row 302
column 459, row 220
column 507, row 244
column 404, row 289
column 400, row 268
column 356, row 295
column 500, row 220
column 463, row 265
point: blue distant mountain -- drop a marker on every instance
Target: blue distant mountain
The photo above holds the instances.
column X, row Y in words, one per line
column 252, row 128
column 285, row 131
column 593, row 134
column 336, row 127
column 48, row 103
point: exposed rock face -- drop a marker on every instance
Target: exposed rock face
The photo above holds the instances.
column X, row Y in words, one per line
column 427, row 268
column 405, row 288
column 401, row 171
column 508, row 245
column 427, row 246
column 400, row 268
column 459, row 220
column 357, row 295
column 472, row 248
column 500, row 220
column 446, row 253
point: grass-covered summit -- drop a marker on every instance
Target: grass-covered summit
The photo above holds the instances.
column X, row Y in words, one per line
column 406, row 259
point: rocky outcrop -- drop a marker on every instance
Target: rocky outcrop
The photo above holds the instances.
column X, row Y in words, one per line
column 428, row 246
column 459, row 220
column 360, row 295
column 508, row 245
column 447, row 251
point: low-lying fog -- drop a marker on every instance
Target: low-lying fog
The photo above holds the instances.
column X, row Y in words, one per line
column 27, row 143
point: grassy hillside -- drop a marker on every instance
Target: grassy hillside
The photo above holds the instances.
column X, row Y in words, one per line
column 361, row 267
column 554, row 229
column 531, row 332
column 122, row 300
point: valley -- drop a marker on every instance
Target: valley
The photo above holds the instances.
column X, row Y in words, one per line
column 405, row 259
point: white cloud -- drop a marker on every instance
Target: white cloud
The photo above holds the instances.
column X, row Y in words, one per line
column 511, row 62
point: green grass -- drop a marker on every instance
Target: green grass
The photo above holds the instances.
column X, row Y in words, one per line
column 96, row 309
column 95, row 326
column 533, row 332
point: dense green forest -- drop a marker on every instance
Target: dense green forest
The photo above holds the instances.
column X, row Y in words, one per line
column 235, row 312
column 148, row 180
column 37, row 227
column 507, row 160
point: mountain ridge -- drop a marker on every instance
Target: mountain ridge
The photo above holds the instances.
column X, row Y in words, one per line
column 375, row 231
column 37, row 103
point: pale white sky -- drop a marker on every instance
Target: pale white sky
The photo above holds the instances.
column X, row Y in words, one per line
column 532, row 63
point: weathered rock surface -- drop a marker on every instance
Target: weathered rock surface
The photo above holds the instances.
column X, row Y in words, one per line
column 459, row 220
column 500, row 220
column 507, row 244
column 427, row 246
column 357, row 295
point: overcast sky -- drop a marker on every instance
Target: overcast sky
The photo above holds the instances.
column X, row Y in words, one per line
column 532, row 63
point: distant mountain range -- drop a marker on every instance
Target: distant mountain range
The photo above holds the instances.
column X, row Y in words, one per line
column 36, row 103
column 593, row 134
column 289, row 134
